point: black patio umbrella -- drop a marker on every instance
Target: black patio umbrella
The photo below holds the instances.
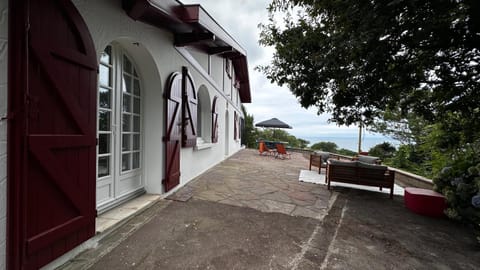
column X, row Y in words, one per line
column 273, row 123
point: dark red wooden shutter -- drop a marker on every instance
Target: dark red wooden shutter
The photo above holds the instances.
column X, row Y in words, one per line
column 242, row 131
column 173, row 131
column 215, row 120
column 52, row 204
column 235, row 126
column 189, row 110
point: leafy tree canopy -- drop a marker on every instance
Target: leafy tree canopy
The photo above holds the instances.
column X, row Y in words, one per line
column 332, row 148
column 280, row 135
column 302, row 143
column 325, row 146
column 383, row 150
column 357, row 58
column 346, row 152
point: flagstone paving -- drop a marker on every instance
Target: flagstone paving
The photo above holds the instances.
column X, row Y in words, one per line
column 263, row 183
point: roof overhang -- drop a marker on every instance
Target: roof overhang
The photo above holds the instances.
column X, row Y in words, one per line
column 192, row 26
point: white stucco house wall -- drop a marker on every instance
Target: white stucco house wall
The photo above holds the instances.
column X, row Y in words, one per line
column 110, row 100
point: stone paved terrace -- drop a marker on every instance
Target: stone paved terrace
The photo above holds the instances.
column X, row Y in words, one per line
column 250, row 212
column 263, row 183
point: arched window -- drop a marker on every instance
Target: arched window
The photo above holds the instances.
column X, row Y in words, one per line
column 204, row 116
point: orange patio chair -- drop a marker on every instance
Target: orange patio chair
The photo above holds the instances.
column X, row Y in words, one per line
column 282, row 152
column 263, row 149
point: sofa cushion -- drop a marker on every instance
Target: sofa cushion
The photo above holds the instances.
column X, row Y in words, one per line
column 324, row 155
column 372, row 166
column 342, row 163
column 368, row 159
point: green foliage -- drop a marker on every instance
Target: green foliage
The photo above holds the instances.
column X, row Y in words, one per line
column 407, row 128
column 346, row 152
column 280, row 135
column 460, row 183
column 325, row 146
column 408, row 158
column 383, row 150
column 249, row 131
column 302, row 143
column 332, row 148
column 367, row 57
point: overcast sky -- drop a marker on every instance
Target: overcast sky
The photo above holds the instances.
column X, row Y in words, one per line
column 240, row 18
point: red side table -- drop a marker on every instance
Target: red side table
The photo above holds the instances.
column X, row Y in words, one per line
column 425, row 202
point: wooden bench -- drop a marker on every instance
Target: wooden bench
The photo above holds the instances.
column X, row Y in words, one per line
column 358, row 173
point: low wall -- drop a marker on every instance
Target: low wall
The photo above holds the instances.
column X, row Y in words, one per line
column 406, row 179
column 299, row 150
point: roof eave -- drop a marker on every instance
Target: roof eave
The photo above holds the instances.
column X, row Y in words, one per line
column 193, row 26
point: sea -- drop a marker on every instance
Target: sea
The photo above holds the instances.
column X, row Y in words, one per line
column 351, row 142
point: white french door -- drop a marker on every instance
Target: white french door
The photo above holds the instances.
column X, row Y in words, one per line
column 119, row 162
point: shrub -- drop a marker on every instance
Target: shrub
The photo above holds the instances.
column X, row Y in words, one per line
column 346, row 152
column 460, row 183
column 325, row 146
column 383, row 150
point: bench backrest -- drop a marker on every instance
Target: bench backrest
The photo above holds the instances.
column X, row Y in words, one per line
column 361, row 173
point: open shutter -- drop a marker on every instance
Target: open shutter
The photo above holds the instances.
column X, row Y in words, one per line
column 52, row 204
column 173, row 131
column 235, row 126
column 189, row 111
column 242, row 131
column 215, row 120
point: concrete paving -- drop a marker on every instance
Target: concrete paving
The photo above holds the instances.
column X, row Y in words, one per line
column 250, row 212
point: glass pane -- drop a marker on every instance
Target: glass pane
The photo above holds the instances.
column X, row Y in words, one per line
column 136, row 142
column 125, row 162
column 104, row 120
column 127, row 65
column 126, row 142
column 104, row 143
column 103, row 166
column 105, row 98
column 136, row 123
column 106, row 55
column 136, row 105
column 104, row 75
column 127, row 83
column 127, row 103
column 126, row 122
column 135, row 72
column 136, row 87
column 136, row 160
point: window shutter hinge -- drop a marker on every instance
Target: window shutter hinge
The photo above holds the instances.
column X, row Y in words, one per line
column 6, row 116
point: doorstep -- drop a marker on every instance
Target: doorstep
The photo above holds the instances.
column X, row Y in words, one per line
column 104, row 224
column 114, row 217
